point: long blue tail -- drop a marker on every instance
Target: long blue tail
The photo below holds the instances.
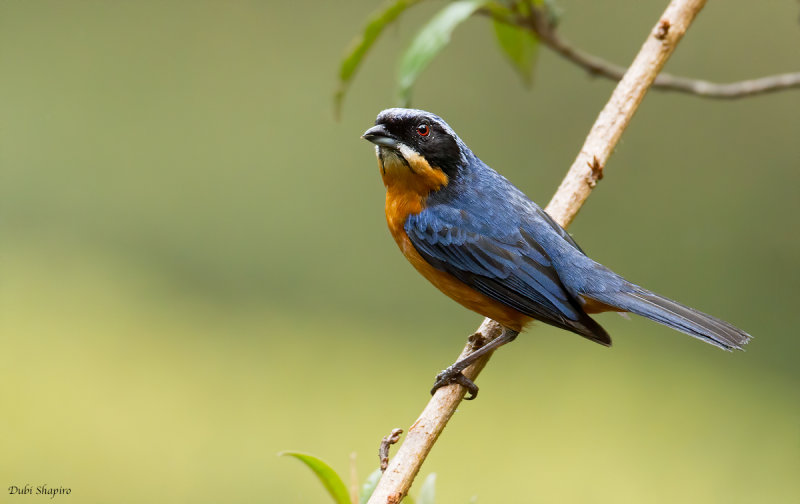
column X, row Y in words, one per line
column 672, row 314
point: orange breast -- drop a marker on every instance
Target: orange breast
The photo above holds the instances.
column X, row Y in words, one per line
column 406, row 191
column 458, row 290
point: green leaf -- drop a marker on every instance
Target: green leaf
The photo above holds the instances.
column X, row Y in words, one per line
column 332, row 482
column 369, row 486
column 359, row 47
column 430, row 40
column 427, row 494
column 520, row 47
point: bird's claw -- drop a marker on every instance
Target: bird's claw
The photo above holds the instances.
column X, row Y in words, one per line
column 454, row 375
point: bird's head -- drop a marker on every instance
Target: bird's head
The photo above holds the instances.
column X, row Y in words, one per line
column 416, row 149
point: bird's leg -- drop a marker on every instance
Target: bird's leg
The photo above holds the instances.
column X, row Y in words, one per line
column 453, row 374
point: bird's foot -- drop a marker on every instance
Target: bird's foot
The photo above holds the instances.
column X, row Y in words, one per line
column 454, row 374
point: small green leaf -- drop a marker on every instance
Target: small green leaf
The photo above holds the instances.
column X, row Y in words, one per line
column 430, row 40
column 359, row 47
column 427, row 494
column 520, row 47
column 369, row 486
column 332, row 482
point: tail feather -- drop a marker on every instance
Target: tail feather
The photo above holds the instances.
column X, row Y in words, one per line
column 589, row 329
column 675, row 315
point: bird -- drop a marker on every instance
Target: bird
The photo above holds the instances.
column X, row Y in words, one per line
column 482, row 242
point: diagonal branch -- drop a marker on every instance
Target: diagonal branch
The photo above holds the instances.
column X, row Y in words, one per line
column 580, row 180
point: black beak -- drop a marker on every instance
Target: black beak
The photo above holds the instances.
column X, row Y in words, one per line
column 379, row 135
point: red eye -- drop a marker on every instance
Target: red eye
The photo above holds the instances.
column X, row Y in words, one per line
column 423, row 130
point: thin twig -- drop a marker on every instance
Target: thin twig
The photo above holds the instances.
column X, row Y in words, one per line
column 538, row 23
column 386, row 442
column 574, row 190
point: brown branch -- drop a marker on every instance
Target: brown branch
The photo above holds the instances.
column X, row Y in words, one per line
column 421, row 436
column 574, row 190
column 538, row 23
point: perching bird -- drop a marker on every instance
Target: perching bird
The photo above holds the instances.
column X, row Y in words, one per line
column 482, row 242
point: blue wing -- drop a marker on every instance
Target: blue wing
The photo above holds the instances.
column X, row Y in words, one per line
column 495, row 252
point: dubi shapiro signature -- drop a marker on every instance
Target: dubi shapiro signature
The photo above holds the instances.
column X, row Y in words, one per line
column 39, row 490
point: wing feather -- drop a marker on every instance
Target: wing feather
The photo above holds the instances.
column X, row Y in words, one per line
column 512, row 268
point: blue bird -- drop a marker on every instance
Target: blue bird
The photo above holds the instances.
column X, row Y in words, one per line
column 482, row 242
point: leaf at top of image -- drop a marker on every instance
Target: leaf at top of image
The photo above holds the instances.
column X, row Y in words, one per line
column 359, row 47
column 429, row 41
column 519, row 46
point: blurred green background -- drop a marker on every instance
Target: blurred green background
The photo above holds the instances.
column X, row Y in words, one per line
column 195, row 271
